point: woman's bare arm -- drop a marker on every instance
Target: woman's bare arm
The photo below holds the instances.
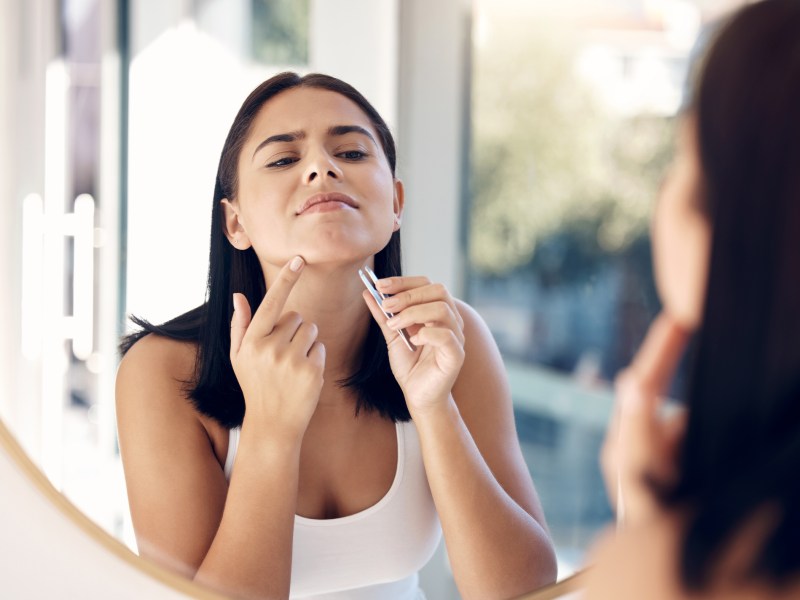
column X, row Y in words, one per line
column 237, row 538
column 456, row 391
column 176, row 486
column 492, row 520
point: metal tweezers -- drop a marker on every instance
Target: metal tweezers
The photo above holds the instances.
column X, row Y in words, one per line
column 371, row 281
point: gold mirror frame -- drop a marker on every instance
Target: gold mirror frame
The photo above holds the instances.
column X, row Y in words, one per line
column 109, row 544
column 97, row 535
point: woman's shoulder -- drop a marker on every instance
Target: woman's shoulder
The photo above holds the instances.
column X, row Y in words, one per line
column 636, row 562
column 467, row 311
column 160, row 356
column 643, row 562
column 155, row 376
column 482, row 358
column 476, row 332
column 481, row 390
column 153, row 386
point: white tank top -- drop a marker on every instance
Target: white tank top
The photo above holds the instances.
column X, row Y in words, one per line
column 374, row 554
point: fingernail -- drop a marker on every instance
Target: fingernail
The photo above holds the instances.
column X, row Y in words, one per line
column 384, row 283
column 296, row 264
column 392, row 323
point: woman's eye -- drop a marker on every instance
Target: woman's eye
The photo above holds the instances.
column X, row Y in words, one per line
column 282, row 162
column 353, row 154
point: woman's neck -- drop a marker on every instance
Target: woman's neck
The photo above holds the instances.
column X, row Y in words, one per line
column 331, row 298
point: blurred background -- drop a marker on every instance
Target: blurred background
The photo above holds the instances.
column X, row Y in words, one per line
column 532, row 138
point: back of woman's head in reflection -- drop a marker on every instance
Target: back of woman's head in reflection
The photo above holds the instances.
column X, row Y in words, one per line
column 741, row 453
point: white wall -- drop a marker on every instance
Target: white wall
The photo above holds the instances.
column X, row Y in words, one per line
column 432, row 136
column 357, row 41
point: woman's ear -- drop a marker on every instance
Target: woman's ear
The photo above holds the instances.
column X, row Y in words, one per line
column 234, row 230
column 398, row 203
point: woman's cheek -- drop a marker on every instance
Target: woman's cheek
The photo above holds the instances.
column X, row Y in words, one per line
column 681, row 244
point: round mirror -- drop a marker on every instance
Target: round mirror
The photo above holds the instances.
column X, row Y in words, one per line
column 541, row 132
column 45, row 533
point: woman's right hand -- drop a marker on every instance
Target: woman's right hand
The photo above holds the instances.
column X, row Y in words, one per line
column 277, row 359
column 642, row 441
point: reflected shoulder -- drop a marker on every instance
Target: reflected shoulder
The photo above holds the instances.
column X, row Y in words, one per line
column 152, row 391
column 483, row 365
column 636, row 562
column 159, row 355
column 642, row 561
column 155, row 372
column 475, row 328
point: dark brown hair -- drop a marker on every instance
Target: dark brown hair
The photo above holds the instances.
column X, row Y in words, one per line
column 741, row 451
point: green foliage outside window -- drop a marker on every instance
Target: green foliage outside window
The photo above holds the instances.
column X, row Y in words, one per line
column 548, row 159
column 280, row 31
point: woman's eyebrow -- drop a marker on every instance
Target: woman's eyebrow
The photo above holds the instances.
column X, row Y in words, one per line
column 292, row 136
column 337, row 130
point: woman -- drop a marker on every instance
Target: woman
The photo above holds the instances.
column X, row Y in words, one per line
column 709, row 497
column 351, row 444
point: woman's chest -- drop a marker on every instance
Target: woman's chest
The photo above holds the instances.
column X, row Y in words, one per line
column 346, row 467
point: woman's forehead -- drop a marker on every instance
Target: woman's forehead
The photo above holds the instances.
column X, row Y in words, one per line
column 308, row 110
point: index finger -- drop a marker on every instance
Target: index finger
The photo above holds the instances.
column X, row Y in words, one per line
column 659, row 354
column 271, row 307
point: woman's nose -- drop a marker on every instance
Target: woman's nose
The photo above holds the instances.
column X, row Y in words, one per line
column 322, row 167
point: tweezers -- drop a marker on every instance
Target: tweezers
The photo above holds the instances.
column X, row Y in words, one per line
column 371, row 282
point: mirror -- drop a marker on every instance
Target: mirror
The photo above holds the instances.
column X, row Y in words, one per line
column 45, row 533
column 549, row 239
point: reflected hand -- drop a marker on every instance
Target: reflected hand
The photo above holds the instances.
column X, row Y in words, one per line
column 429, row 314
column 277, row 359
column 640, row 440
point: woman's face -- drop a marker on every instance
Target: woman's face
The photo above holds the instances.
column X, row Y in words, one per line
column 314, row 181
column 681, row 234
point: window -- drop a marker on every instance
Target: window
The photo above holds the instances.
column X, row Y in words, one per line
column 280, row 32
column 573, row 113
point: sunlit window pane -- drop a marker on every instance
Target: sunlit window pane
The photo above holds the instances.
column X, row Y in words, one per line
column 280, row 31
column 574, row 107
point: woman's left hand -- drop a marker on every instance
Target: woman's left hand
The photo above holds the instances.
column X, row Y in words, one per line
column 428, row 313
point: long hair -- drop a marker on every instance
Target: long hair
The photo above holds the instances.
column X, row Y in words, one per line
column 741, row 453
column 214, row 389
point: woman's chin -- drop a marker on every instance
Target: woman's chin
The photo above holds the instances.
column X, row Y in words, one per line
column 340, row 251
column 338, row 257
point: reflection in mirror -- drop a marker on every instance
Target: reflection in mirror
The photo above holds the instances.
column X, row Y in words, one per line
column 343, row 448
column 559, row 196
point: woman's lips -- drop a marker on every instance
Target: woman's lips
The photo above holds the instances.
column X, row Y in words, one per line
column 327, row 206
column 327, row 202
